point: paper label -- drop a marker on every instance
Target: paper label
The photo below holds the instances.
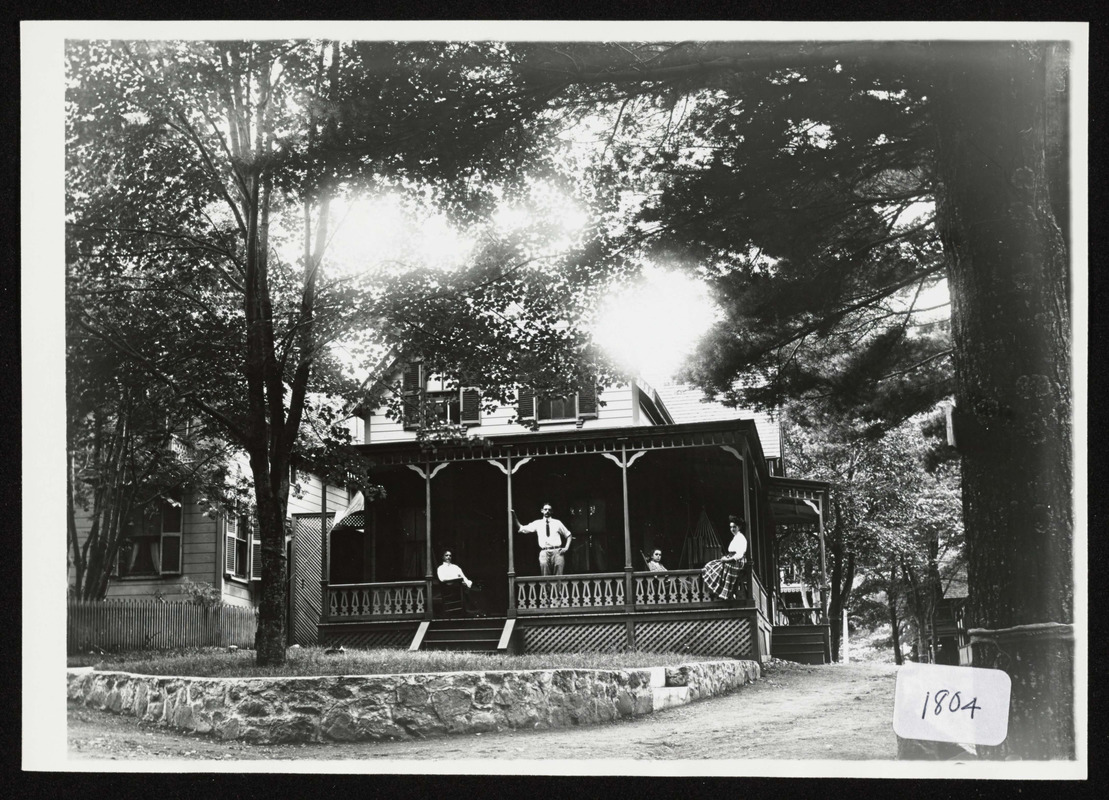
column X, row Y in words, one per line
column 940, row 703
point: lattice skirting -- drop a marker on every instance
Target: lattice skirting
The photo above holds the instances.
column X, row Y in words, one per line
column 571, row 638
column 365, row 639
column 708, row 637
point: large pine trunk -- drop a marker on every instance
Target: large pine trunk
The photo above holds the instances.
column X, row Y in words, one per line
column 1007, row 265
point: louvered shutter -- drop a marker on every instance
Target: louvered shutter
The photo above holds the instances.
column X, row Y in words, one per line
column 231, row 528
column 587, row 403
column 255, row 556
column 411, row 384
column 471, row 407
column 525, row 409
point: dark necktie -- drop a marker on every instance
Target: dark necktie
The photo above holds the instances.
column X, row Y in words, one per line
column 548, row 534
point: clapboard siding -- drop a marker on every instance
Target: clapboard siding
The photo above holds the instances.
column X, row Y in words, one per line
column 308, row 499
column 236, row 592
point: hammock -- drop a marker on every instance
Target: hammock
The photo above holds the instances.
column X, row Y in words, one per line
column 700, row 546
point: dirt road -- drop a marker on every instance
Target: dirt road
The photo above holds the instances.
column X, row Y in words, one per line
column 838, row 711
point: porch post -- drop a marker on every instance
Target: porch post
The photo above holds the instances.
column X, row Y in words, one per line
column 629, row 580
column 823, row 567
column 427, row 525
column 511, row 546
column 748, row 524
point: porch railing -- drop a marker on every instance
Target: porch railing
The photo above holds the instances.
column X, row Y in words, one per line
column 552, row 593
column 394, row 600
column 759, row 594
column 678, row 587
column 549, row 594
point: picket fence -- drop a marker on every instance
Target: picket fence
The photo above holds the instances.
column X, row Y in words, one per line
column 153, row 625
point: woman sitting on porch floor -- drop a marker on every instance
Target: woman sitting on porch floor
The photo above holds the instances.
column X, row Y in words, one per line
column 721, row 576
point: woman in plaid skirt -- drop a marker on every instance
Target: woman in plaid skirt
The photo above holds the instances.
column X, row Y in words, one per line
column 721, row 576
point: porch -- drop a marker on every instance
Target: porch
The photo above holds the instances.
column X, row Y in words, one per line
column 672, row 489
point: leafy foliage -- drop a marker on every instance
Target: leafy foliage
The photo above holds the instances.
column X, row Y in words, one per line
column 800, row 187
column 203, row 179
column 890, row 503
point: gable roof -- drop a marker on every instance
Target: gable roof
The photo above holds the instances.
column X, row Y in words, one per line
column 688, row 404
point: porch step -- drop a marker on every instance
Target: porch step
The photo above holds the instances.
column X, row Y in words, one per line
column 473, row 634
column 804, row 644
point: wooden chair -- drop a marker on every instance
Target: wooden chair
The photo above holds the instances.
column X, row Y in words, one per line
column 452, row 602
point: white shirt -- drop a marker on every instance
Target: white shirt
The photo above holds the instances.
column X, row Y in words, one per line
column 450, row 572
column 539, row 527
column 738, row 546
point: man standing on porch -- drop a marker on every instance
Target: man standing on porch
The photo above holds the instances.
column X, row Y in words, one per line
column 554, row 541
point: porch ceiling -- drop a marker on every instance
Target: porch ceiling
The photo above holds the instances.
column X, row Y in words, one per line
column 610, row 440
column 797, row 500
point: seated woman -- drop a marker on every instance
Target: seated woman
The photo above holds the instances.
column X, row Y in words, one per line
column 721, row 576
column 449, row 571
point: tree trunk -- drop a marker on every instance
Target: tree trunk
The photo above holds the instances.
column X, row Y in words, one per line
column 1007, row 265
column 836, row 558
column 895, row 622
column 270, row 639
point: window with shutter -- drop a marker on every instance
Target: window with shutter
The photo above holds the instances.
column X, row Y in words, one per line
column 412, row 384
column 255, row 556
column 525, row 407
column 237, row 540
column 557, row 409
column 231, row 534
column 471, row 406
column 587, row 403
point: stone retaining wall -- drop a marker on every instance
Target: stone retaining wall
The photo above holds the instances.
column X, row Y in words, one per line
column 373, row 707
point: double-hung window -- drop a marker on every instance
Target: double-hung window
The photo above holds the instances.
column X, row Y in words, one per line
column 172, row 517
column 153, row 546
column 238, row 538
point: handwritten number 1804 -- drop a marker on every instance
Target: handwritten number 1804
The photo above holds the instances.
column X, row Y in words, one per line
column 942, row 703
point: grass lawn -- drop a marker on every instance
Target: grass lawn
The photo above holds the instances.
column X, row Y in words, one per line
column 310, row 661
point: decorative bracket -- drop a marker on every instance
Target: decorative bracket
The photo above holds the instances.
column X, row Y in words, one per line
column 614, row 459
column 618, row 461
column 504, row 469
column 731, row 450
column 416, row 468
